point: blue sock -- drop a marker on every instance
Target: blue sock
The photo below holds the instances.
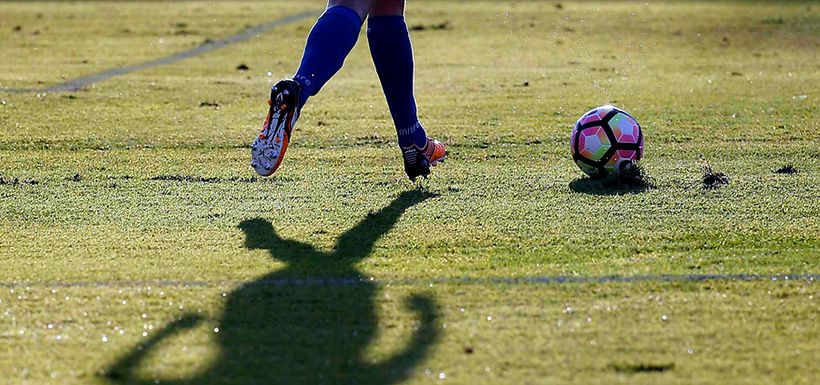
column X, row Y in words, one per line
column 328, row 44
column 393, row 56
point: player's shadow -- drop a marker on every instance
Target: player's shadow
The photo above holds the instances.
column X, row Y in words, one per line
column 302, row 324
column 608, row 186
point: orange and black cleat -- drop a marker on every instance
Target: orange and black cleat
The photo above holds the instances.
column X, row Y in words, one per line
column 269, row 147
column 417, row 161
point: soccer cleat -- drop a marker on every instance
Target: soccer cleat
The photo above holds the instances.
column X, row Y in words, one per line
column 417, row 161
column 269, row 147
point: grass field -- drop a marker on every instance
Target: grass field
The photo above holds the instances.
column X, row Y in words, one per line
column 138, row 247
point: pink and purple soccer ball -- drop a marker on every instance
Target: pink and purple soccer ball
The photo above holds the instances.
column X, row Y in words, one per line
column 606, row 140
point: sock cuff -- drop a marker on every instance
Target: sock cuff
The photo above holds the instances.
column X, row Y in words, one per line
column 346, row 13
column 391, row 23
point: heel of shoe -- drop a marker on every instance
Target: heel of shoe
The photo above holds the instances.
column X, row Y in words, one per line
column 415, row 163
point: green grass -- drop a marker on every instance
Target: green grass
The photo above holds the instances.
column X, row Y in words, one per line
column 133, row 273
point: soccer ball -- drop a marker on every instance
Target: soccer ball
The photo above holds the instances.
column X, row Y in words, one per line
column 605, row 141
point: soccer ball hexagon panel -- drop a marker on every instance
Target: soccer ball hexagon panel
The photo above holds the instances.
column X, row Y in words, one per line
column 604, row 140
column 624, row 128
column 593, row 143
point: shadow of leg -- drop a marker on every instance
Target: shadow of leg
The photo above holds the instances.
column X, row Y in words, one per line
column 357, row 243
column 123, row 370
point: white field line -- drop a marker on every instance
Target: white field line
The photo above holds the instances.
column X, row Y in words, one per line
column 354, row 281
column 247, row 34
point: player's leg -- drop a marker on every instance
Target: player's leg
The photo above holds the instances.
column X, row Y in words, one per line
column 330, row 41
column 392, row 55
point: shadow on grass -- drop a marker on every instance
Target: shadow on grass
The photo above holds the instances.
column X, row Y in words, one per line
column 607, row 187
column 631, row 179
column 302, row 334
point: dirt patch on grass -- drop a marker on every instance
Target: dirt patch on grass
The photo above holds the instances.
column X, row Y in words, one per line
column 432, row 27
column 787, row 169
column 17, row 181
column 632, row 176
column 713, row 178
column 202, row 179
column 643, row 367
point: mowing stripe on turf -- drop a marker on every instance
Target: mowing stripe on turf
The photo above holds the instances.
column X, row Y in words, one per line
column 247, row 34
column 314, row 281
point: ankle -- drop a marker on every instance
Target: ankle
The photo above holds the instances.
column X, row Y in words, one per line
column 413, row 135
